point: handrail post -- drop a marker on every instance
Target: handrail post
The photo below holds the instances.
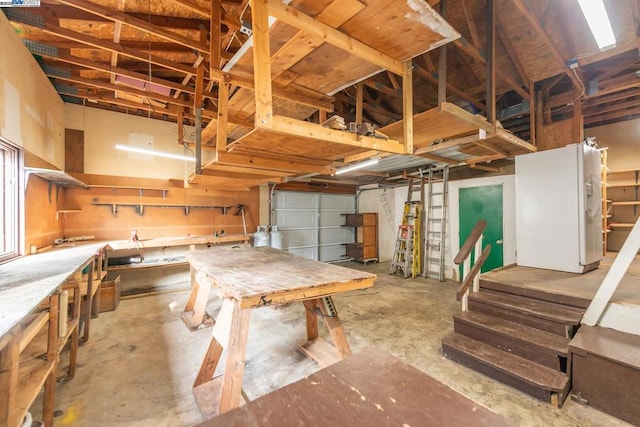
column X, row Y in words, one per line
column 466, row 268
column 476, row 256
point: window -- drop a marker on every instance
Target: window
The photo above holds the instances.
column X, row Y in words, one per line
column 10, row 202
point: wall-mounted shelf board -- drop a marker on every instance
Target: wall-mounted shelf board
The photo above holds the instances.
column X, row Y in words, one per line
column 66, row 211
column 141, row 190
column 141, row 206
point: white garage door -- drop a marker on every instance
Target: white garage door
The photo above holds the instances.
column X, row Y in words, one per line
column 311, row 223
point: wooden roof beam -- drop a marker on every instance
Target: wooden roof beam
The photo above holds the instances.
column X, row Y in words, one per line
column 136, row 23
column 511, row 51
column 464, row 45
column 227, row 19
column 612, row 115
column 306, row 23
column 450, row 87
column 537, row 26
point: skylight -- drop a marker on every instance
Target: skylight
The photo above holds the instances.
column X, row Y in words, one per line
column 596, row 15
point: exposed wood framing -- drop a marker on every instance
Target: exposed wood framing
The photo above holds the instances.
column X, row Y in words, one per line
column 215, row 36
column 544, row 35
column 223, row 107
column 359, row 96
column 304, row 22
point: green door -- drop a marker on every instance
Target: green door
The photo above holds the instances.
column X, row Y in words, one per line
column 478, row 203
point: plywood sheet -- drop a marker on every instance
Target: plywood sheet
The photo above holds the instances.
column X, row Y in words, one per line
column 290, row 146
column 444, row 122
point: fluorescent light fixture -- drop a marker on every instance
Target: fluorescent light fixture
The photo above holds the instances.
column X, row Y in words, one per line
column 154, row 153
column 357, row 166
column 596, row 15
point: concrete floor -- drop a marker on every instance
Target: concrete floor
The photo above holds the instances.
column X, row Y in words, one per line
column 139, row 365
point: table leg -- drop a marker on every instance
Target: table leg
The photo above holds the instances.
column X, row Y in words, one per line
column 194, row 314
column 87, row 307
column 317, row 348
column 311, row 315
column 234, row 365
column 223, row 393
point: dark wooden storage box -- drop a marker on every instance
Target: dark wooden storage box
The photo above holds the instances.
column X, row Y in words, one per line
column 110, row 294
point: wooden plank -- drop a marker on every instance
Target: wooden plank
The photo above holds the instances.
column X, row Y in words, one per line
column 359, row 96
column 332, row 321
column 305, row 130
column 490, row 94
column 215, row 36
column 209, row 363
column 303, row 22
column 222, row 328
column 223, row 115
column 407, row 105
column 234, row 364
column 261, row 63
column 614, row 276
column 321, row 351
column 136, row 23
column 32, row 329
column 9, row 358
column 311, row 317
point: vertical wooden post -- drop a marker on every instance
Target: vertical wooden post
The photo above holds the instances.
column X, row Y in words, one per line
column 9, row 362
column 88, row 307
column 359, row 96
column 214, row 36
column 491, row 62
column 52, row 352
column 197, row 107
column 533, row 105
column 223, row 116
column 261, row 62
column 578, row 120
column 311, row 316
column 539, row 120
column 442, row 62
column 407, row 105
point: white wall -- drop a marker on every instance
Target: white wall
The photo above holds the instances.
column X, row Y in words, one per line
column 104, row 129
column 390, row 215
column 31, row 112
column 382, row 201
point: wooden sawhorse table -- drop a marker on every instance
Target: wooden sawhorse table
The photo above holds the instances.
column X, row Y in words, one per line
column 248, row 278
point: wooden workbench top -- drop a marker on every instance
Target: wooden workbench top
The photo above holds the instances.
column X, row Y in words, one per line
column 371, row 388
column 266, row 276
column 26, row 281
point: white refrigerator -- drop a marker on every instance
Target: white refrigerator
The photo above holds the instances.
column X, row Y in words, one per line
column 559, row 209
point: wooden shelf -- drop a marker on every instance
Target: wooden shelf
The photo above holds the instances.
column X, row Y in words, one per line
column 142, row 265
column 32, row 375
column 141, row 206
column 627, row 203
column 141, row 190
column 621, row 224
column 365, row 247
column 66, row 211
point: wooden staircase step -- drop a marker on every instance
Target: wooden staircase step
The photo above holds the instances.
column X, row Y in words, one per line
column 540, row 294
column 533, row 344
column 534, row 379
column 517, row 308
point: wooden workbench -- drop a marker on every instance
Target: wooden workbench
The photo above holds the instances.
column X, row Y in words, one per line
column 372, row 388
column 30, row 290
column 249, row 278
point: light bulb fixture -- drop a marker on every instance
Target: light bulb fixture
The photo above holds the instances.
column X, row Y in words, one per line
column 154, row 153
column 596, row 15
column 357, row 166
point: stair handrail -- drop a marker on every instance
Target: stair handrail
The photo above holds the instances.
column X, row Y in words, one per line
column 474, row 240
column 463, row 290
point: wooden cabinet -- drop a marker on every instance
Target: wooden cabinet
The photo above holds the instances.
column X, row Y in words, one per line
column 624, row 208
column 365, row 247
